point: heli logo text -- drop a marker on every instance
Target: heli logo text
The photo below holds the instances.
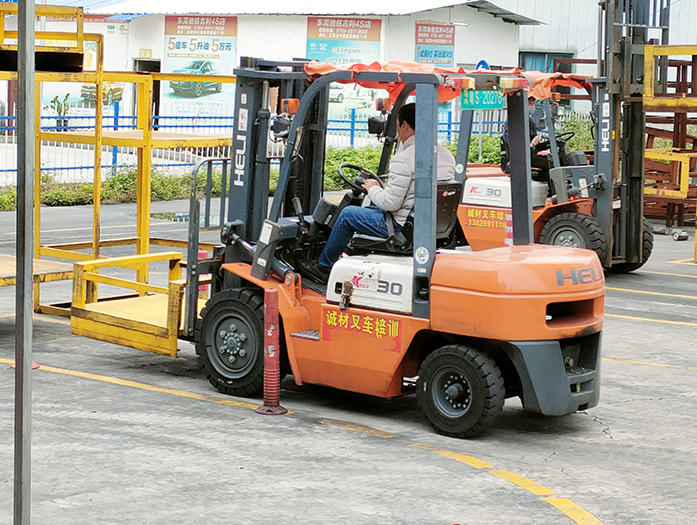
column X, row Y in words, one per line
column 576, row 276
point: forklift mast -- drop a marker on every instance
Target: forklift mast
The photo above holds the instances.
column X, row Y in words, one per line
column 257, row 81
column 623, row 30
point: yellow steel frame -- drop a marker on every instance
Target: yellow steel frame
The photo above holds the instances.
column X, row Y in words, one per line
column 144, row 138
column 76, row 37
column 140, row 329
column 672, row 155
column 671, row 101
column 151, row 317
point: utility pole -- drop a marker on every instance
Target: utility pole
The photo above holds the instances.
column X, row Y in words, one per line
column 25, row 253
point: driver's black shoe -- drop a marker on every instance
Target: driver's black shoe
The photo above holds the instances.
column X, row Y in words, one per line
column 312, row 269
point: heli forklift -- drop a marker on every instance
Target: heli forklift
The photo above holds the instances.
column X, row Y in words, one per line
column 463, row 330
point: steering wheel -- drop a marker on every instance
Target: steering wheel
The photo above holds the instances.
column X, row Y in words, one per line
column 363, row 174
column 562, row 137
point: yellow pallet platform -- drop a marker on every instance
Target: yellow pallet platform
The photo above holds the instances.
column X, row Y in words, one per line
column 150, row 321
column 44, row 271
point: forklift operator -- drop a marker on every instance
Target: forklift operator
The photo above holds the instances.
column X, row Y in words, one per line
column 396, row 197
column 540, row 163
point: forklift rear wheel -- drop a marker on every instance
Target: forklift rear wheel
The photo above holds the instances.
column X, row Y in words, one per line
column 647, row 247
column 230, row 341
column 460, row 391
column 575, row 230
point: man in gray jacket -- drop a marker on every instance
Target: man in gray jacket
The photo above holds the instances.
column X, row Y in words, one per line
column 397, row 197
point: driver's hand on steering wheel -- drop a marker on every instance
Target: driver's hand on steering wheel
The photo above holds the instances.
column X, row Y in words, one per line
column 535, row 141
column 370, row 183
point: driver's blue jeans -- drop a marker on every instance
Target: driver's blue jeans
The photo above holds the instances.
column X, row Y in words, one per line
column 353, row 219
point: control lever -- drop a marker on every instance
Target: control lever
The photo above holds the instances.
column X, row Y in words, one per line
column 301, row 216
column 346, row 292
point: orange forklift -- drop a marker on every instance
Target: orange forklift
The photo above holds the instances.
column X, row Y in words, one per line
column 463, row 330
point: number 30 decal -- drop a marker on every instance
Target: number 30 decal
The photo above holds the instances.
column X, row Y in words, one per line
column 392, row 288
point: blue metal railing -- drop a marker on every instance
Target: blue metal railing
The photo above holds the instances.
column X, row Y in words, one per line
column 353, row 127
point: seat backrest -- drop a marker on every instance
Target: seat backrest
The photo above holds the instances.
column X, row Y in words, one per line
column 449, row 195
column 505, row 160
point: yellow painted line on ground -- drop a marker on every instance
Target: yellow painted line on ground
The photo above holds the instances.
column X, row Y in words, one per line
column 683, row 261
column 527, row 484
column 573, row 511
column 141, row 386
column 679, row 296
column 359, row 428
column 649, row 320
column 462, row 458
column 630, row 362
column 668, row 273
column 567, row 507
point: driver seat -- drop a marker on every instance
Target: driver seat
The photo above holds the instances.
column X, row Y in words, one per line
column 448, row 195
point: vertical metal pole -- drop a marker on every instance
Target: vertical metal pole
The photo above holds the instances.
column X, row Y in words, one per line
column 353, row 127
column 519, row 148
column 25, row 252
column 551, row 132
column 463, row 144
column 425, row 178
column 479, row 135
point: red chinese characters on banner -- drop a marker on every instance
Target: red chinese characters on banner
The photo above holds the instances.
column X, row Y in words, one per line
column 375, row 326
column 367, row 29
column 201, row 25
column 435, row 34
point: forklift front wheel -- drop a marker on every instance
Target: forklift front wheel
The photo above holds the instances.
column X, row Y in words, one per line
column 575, row 230
column 230, row 341
column 460, row 391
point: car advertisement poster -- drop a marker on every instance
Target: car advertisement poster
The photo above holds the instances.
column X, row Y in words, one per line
column 435, row 44
column 343, row 41
column 199, row 45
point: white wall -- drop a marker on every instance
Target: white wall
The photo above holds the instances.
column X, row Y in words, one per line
column 116, row 37
column 485, row 38
column 147, row 32
column 271, row 37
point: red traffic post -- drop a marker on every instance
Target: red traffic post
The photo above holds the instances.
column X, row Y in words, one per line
column 272, row 357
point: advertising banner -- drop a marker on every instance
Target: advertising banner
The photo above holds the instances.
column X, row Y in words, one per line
column 199, row 45
column 435, row 44
column 343, row 40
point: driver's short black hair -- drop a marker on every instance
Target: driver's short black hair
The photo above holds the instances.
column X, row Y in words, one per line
column 407, row 113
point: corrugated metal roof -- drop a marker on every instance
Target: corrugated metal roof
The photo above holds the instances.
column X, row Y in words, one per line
column 504, row 14
column 298, row 7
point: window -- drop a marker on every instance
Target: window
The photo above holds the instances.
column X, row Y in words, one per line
column 540, row 61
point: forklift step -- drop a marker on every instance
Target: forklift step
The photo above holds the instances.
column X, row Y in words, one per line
column 313, row 335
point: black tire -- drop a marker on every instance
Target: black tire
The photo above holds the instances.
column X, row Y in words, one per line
column 232, row 326
column 198, row 89
column 460, row 391
column 576, row 230
column 647, row 248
